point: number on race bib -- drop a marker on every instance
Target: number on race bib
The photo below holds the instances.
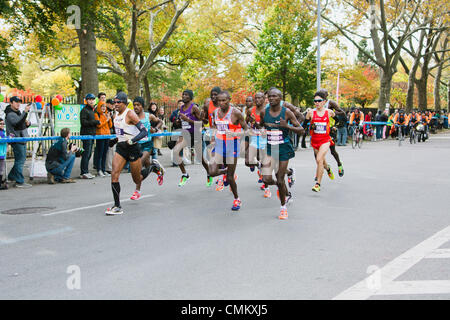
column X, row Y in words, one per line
column 274, row 137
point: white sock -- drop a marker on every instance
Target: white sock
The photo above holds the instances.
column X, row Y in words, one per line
column 283, row 207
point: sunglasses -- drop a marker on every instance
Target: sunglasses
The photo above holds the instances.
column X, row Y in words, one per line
column 117, row 101
column 317, row 101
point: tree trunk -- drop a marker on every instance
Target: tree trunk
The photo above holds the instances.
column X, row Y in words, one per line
column 437, row 85
column 385, row 89
column 422, row 91
column 88, row 60
column 411, row 83
column 147, row 94
column 132, row 85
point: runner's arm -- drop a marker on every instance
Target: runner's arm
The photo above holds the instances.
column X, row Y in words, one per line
column 159, row 124
column 295, row 110
column 132, row 118
column 296, row 127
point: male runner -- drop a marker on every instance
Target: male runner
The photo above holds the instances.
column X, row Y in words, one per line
column 228, row 123
column 255, row 145
column 189, row 113
column 129, row 130
column 320, row 134
column 146, row 145
column 275, row 119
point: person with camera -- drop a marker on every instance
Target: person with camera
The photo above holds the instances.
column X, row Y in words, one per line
column 60, row 159
column 17, row 126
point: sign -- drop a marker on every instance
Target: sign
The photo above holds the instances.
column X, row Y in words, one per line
column 68, row 117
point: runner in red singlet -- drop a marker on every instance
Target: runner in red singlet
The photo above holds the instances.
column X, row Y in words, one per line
column 320, row 134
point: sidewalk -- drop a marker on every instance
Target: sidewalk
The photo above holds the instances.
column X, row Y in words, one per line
column 164, row 160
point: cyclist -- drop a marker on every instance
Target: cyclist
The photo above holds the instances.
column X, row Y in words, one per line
column 357, row 117
column 413, row 119
column 401, row 119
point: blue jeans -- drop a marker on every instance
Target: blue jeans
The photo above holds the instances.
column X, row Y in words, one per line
column 20, row 156
column 379, row 132
column 342, row 136
column 64, row 170
column 102, row 146
column 86, row 156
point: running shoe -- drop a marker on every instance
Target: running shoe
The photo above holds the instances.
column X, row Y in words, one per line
column 330, row 173
column 136, row 195
column 341, row 171
column 183, row 180
column 260, row 180
column 283, row 214
column 209, row 181
column 316, row 187
column 252, row 168
column 219, row 186
column 267, row 193
column 291, row 177
column 278, row 194
column 160, row 178
column 263, row 187
column 225, row 183
column 289, row 199
column 236, row 205
column 114, row 211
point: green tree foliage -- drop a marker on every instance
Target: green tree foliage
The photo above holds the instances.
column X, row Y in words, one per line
column 283, row 58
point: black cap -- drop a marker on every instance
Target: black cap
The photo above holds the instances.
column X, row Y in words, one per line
column 139, row 100
column 190, row 93
column 15, row 99
column 122, row 97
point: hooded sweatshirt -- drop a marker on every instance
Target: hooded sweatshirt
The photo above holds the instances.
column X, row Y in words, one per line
column 104, row 127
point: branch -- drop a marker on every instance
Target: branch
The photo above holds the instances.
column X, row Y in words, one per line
column 112, row 61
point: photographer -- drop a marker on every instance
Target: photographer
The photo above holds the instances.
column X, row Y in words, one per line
column 59, row 162
column 17, row 126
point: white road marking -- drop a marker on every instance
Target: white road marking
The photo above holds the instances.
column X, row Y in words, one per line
column 5, row 241
column 363, row 290
column 94, row 206
column 439, row 254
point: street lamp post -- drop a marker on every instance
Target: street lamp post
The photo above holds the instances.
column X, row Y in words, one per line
column 318, row 44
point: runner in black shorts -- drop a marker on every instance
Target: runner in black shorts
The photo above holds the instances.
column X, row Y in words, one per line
column 129, row 130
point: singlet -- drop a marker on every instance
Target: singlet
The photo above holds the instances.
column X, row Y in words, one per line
column 276, row 135
column 148, row 126
column 322, row 125
column 211, row 109
column 124, row 131
column 224, row 124
column 188, row 113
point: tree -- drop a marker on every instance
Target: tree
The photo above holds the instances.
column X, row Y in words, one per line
column 283, row 56
column 385, row 19
column 360, row 84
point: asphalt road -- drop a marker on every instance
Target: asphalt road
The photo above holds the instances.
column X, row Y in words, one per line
column 380, row 232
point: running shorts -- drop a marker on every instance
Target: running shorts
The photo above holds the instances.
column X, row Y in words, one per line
column 129, row 152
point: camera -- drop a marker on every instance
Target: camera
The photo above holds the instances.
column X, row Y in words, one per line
column 78, row 152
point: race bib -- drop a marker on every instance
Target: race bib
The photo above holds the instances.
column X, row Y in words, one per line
column 222, row 126
column 274, row 137
column 321, row 127
column 185, row 125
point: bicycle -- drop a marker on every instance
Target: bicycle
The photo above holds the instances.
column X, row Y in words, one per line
column 400, row 134
column 412, row 134
column 357, row 137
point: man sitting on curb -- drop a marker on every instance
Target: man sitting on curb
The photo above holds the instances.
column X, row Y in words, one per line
column 59, row 162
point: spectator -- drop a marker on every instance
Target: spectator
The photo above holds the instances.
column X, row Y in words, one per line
column 111, row 150
column 157, row 141
column 3, row 147
column 88, row 127
column 176, row 124
column 341, row 125
column 103, row 116
column 16, row 126
column 59, row 161
column 102, row 97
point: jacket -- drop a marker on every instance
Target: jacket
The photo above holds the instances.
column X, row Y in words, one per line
column 16, row 123
column 3, row 146
column 87, row 121
column 104, row 128
column 57, row 154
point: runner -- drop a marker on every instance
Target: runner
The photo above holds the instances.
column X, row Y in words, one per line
column 129, row 130
column 209, row 107
column 275, row 119
column 320, row 135
column 189, row 113
column 228, row 122
column 255, row 144
column 300, row 118
column 330, row 104
column 146, row 145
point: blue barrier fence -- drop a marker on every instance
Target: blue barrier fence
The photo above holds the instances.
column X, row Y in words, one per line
column 87, row 137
